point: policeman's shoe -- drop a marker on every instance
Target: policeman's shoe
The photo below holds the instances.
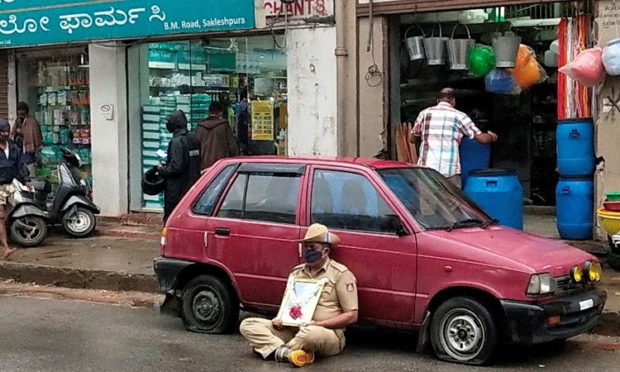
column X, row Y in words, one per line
column 300, row 358
column 282, row 353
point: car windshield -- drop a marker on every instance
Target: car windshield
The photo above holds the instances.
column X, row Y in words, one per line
column 432, row 200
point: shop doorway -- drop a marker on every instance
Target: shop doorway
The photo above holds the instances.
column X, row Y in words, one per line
column 247, row 75
column 525, row 119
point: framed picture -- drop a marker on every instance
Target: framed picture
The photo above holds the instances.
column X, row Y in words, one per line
column 300, row 300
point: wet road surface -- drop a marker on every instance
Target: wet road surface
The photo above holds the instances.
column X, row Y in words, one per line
column 49, row 334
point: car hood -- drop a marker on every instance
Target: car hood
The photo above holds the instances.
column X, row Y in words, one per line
column 537, row 253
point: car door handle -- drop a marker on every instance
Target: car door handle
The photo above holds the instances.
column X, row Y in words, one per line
column 222, row 231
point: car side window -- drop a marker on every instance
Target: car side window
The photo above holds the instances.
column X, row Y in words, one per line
column 272, row 197
column 232, row 206
column 349, row 201
column 268, row 197
column 211, row 194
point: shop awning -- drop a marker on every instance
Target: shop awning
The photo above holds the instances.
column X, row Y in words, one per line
column 410, row 6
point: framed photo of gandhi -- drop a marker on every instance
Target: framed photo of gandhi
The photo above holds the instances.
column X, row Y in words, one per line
column 300, row 300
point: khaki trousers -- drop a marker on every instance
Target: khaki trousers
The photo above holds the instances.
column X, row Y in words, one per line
column 264, row 339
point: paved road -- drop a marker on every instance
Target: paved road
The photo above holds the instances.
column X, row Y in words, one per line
column 48, row 334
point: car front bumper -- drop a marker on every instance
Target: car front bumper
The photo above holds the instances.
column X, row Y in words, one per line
column 527, row 323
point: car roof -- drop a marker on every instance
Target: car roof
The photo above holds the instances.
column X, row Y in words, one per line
column 367, row 162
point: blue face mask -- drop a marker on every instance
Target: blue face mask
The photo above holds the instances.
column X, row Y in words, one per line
column 312, row 255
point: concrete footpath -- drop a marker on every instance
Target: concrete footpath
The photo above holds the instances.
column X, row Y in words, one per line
column 119, row 256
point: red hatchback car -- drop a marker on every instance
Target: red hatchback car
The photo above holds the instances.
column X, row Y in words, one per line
column 426, row 257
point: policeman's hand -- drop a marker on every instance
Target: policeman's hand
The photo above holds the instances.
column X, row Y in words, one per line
column 277, row 323
column 29, row 186
column 493, row 136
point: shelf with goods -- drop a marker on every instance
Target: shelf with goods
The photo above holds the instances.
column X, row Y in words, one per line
column 64, row 115
column 179, row 79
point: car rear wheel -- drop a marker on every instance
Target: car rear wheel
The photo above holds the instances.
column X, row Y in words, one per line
column 209, row 306
column 463, row 331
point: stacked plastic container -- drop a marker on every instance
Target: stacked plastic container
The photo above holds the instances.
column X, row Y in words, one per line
column 575, row 190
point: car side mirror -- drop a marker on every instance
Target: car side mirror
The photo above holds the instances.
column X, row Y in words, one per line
column 392, row 223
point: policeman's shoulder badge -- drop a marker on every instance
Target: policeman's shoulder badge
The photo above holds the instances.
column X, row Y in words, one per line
column 350, row 287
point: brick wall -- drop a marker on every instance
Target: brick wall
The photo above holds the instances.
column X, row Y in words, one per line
column 4, row 85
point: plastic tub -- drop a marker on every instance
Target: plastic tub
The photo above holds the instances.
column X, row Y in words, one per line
column 574, row 207
column 613, row 196
column 474, row 156
column 575, row 141
column 613, row 206
column 499, row 193
column 609, row 220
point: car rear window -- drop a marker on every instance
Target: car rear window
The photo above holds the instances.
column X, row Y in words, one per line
column 211, row 194
column 262, row 196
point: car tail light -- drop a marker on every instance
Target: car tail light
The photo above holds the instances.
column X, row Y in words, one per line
column 162, row 241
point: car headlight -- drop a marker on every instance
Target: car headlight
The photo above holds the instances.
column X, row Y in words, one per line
column 540, row 284
column 592, row 270
column 576, row 274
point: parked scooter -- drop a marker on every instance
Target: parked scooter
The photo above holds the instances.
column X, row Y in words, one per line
column 69, row 205
column 25, row 218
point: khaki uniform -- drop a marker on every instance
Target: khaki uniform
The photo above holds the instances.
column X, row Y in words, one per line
column 339, row 295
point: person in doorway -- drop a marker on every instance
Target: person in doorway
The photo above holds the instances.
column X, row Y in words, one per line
column 12, row 166
column 216, row 137
column 337, row 308
column 26, row 134
column 441, row 128
column 182, row 167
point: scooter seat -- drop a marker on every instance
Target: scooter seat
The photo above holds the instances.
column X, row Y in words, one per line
column 42, row 185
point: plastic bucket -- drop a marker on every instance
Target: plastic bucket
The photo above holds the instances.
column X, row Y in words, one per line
column 458, row 50
column 435, row 48
column 506, row 48
column 575, row 142
column 575, row 207
column 499, row 193
column 415, row 45
column 474, row 156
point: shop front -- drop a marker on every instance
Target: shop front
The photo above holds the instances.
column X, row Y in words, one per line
column 101, row 78
column 520, row 95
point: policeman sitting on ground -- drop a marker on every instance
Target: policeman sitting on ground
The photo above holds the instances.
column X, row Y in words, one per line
column 336, row 308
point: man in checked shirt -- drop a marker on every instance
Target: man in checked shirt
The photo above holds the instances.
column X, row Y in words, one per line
column 441, row 128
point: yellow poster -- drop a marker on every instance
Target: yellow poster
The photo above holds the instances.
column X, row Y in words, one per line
column 262, row 121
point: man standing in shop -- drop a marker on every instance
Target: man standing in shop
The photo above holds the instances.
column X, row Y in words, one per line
column 336, row 309
column 182, row 167
column 441, row 128
column 27, row 136
column 216, row 137
column 12, row 166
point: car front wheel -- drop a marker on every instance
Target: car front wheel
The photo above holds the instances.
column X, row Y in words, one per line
column 209, row 306
column 463, row 331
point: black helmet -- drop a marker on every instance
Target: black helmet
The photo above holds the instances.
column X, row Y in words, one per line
column 152, row 182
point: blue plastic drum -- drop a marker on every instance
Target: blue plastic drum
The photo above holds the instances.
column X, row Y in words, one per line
column 499, row 193
column 575, row 141
column 474, row 156
column 575, row 207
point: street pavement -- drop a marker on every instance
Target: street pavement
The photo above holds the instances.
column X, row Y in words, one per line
column 39, row 332
column 119, row 256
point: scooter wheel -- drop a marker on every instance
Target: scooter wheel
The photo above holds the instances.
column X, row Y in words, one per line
column 80, row 224
column 28, row 231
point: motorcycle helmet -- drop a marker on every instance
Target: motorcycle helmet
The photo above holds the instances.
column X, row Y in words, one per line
column 152, row 182
column 71, row 157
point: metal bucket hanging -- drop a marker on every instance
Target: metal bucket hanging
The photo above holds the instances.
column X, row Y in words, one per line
column 458, row 50
column 506, row 48
column 415, row 44
column 435, row 47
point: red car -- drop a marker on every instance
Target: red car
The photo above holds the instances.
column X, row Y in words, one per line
column 426, row 257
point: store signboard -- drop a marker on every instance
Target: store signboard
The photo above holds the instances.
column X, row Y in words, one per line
column 299, row 9
column 262, row 121
column 33, row 22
